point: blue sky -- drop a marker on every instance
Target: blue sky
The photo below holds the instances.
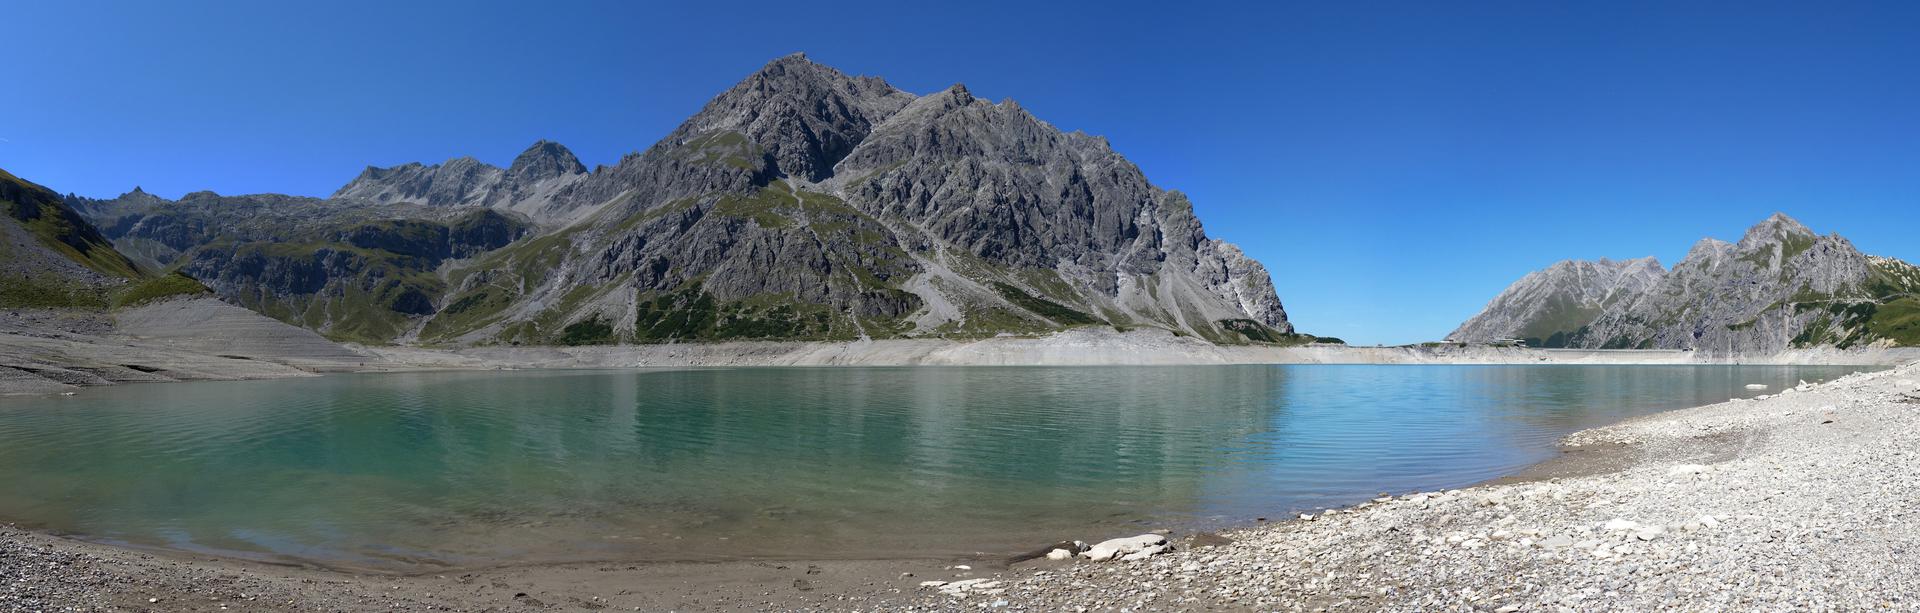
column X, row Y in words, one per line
column 1394, row 164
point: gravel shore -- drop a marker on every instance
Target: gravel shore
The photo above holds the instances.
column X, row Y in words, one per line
column 1805, row 500
column 1802, row 500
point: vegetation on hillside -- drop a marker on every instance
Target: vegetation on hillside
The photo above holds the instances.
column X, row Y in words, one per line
column 170, row 285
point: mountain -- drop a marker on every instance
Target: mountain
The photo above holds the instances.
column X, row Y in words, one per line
column 1546, row 306
column 52, row 257
column 802, row 203
column 527, row 186
column 353, row 270
column 1782, row 286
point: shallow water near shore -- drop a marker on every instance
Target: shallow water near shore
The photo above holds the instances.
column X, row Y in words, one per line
column 415, row 471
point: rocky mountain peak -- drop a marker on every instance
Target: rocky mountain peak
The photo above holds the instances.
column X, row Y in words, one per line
column 909, row 216
column 140, row 196
column 544, row 160
column 1547, row 306
column 960, row 94
column 1782, row 286
column 1777, row 228
column 802, row 116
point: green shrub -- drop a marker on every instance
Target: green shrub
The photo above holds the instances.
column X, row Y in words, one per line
column 1049, row 309
column 165, row 286
column 590, row 332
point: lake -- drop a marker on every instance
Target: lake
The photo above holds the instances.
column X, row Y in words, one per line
column 415, row 471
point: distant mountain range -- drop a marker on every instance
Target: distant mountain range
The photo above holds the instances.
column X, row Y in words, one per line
column 1781, row 287
column 802, row 203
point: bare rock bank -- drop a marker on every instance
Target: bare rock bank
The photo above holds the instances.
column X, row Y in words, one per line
column 194, row 339
column 1076, row 347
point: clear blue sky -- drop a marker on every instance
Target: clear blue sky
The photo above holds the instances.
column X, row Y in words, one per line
column 1394, row 164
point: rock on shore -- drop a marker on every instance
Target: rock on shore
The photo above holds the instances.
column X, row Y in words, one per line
column 1804, row 501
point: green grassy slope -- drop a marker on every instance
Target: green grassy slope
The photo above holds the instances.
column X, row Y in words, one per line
column 31, row 275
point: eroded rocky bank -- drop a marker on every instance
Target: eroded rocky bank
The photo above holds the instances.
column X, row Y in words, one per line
column 204, row 339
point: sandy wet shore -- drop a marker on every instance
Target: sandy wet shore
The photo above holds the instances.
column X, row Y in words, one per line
column 1802, row 500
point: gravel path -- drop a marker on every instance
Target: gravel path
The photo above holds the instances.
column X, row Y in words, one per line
column 1807, row 500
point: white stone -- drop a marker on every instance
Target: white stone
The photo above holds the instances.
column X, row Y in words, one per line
column 1059, row 554
column 1109, row 549
column 932, row 583
column 1756, row 386
column 1145, row 553
column 1708, row 521
column 959, row 588
column 1620, row 524
column 1689, row 469
column 1649, row 533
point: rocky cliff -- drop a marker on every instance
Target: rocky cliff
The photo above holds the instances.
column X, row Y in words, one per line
column 1780, row 287
column 802, row 203
column 353, row 270
column 1546, row 306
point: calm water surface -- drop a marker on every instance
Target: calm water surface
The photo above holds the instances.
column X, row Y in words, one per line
column 415, row 470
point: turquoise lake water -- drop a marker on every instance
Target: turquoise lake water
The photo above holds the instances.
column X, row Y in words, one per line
column 413, row 471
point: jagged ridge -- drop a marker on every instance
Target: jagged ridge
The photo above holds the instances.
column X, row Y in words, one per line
column 800, row 203
column 1781, row 286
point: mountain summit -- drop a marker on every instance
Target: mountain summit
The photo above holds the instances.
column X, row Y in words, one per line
column 1781, row 287
column 801, row 203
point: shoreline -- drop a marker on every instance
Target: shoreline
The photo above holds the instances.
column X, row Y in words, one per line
column 1798, row 500
column 168, row 342
column 124, row 578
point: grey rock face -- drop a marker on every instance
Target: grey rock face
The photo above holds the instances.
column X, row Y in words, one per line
column 1547, row 306
column 461, row 180
column 1781, row 286
column 800, row 203
column 527, row 186
column 801, row 116
column 542, row 161
column 868, row 206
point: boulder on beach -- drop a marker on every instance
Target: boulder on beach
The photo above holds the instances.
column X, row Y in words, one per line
column 1126, row 547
